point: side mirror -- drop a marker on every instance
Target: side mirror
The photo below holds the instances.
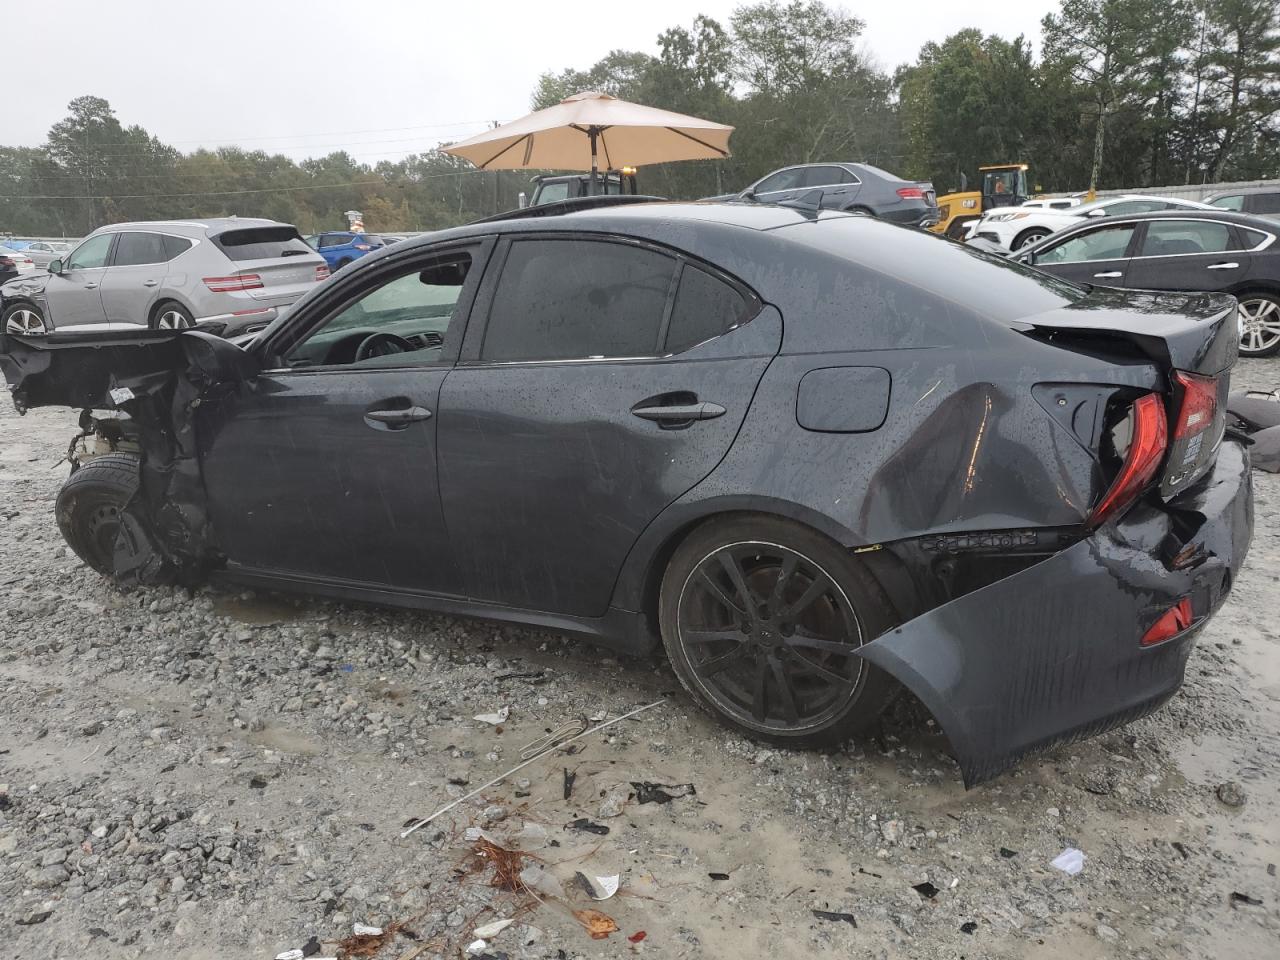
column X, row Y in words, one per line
column 220, row 361
column 55, row 266
column 748, row 194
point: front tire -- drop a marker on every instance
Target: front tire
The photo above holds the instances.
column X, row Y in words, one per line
column 23, row 319
column 171, row 316
column 1260, row 324
column 1027, row 237
column 89, row 506
column 761, row 618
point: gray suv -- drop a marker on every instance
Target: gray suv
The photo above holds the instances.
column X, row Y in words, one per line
column 228, row 276
column 857, row 187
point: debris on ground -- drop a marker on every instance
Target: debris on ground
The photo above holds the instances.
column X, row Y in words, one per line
column 1007, row 853
column 968, row 927
column 535, row 879
column 568, row 782
column 597, row 924
column 614, row 802
column 662, row 792
column 926, row 890
column 1231, row 793
column 835, row 916
column 1070, row 861
column 637, row 936
column 598, row 888
column 1238, row 898
column 490, row 930
column 500, row 716
column 718, row 876
column 588, row 826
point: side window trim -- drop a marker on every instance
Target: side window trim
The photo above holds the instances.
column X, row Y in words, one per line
column 358, row 285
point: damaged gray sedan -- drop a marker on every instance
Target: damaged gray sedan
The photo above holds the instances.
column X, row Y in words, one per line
column 813, row 455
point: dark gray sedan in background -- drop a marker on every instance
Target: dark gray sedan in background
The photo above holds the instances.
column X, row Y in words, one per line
column 855, row 187
column 1193, row 250
column 811, row 454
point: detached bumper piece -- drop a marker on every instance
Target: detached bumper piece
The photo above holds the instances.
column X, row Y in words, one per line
column 1055, row 652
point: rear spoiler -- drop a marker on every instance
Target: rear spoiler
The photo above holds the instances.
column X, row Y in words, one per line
column 1195, row 332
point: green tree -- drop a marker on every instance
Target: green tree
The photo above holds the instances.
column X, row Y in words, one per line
column 1242, row 86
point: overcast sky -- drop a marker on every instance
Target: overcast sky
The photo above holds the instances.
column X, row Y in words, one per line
column 380, row 78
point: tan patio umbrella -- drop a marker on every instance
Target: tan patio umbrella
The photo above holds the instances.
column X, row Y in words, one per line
column 583, row 129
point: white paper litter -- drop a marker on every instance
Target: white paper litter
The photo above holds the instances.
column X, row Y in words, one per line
column 600, row 888
column 294, row 954
column 490, row 930
column 1070, row 861
column 494, row 718
column 472, row 834
column 120, row 395
column 360, row 930
column 476, row 947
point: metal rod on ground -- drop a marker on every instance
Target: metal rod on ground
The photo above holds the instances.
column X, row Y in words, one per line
column 520, row 766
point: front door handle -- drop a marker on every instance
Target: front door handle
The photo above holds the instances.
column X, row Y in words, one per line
column 680, row 413
column 150, row 283
column 1109, row 275
column 91, row 286
column 400, row 417
column 1223, row 266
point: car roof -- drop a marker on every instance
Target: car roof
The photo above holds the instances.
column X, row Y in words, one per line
column 1237, row 191
column 209, row 225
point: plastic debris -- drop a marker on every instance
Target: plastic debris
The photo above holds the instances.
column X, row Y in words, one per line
column 494, row 718
column 472, row 834
column 968, row 927
column 568, row 782
column 476, row 947
column 1238, row 898
column 537, row 880
column 835, row 916
column 637, row 936
column 598, row 888
column 311, row 947
column 490, row 930
column 1070, row 861
column 662, row 792
column 926, row 890
column 587, row 826
column 718, row 876
column 614, row 802
column 597, row 924
column 361, row 930
column 294, row 954
column 1007, row 853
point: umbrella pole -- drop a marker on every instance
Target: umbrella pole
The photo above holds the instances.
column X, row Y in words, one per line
column 593, row 132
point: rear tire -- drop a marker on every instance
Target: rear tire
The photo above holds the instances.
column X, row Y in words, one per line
column 342, row 263
column 1260, row 322
column 89, row 505
column 1029, row 236
column 171, row 315
column 23, row 319
column 776, row 662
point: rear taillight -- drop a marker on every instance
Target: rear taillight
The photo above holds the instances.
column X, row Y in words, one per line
column 1171, row 623
column 362, row 246
column 322, row 273
column 1199, row 404
column 1197, row 429
column 245, row 281
column 6, row 262
column 1149, row 437
column 911, row 193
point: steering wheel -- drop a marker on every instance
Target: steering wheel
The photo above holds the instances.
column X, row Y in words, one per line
column 382, row 345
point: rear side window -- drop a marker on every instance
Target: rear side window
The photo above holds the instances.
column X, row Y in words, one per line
column 578, row 299
column 134, row 249
column 1250, row 239
column 335, row 241
column 1265, row 203
column 262, row 243
column 705, row 307
column 1165, row 238
column 174, row 246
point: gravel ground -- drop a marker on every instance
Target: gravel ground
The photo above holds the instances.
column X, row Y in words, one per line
column 226, row 774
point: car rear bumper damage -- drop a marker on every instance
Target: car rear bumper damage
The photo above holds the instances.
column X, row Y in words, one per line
column 1053, row 653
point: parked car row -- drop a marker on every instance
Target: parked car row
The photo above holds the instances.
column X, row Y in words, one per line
column 340, row 247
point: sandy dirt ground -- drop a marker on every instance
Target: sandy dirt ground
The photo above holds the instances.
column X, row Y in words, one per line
column 226, row 774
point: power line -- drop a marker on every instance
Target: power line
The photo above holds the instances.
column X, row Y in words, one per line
column 295, row 136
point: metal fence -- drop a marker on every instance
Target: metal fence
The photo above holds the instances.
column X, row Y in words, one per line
column 1184, row 191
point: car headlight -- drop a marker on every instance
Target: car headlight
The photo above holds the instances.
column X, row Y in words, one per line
column 1001, row 217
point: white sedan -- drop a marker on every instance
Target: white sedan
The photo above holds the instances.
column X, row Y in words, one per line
column 1015, row 227
column 21, row 261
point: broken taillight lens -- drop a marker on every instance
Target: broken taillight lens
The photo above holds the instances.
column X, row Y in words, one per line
column 1171, row 623
column 322, row 273
column 1199, row 404
column 1147, row 443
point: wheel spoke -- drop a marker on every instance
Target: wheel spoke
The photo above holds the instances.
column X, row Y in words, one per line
column 808, row 640
column 730, row 564
column 824, row 672
column 815, row 590
column 718, row 592
column 758, row 698
column 710, row 636
column 785, row 573
column 709, row 668
column 786, row 694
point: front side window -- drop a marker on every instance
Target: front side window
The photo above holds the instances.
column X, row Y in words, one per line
column 135, row 249
column 554, row 192
column 782, row 180
column 1107, row 243
column 337, row 240
column 92, row 253
column 578, row 299
column 1167, row 238
column 404, row 320
column 1233, row 202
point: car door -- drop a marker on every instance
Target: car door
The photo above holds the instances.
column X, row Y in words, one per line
column 610, row 377
column 74, row 296
column 133, row 278
column 839, row 187
column 323, row 469
column 1188, row 255
column 1096, row 255
column 783, row 185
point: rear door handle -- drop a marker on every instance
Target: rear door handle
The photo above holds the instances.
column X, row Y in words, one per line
column 150, row 283
column 1109, row 275
column 91, row 286
column 400, row 417
column 1223, row 266
column 680, row 413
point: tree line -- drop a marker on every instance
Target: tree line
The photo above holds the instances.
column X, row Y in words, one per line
column 1123, row 93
